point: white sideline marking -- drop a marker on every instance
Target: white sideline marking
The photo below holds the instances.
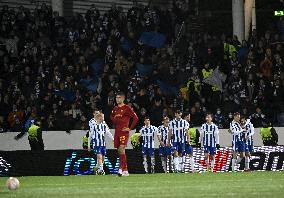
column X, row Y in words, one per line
column 128, row 182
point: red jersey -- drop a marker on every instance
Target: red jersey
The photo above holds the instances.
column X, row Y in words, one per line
column 121, row 116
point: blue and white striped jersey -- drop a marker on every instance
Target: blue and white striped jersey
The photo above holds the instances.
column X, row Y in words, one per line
column 209, row 135
column 97, row 132
column 92, row 122
column 148, row 134
column 250, row 131
column 186, row 138
column 179, row 129
column 237, row 131
column 164, row 133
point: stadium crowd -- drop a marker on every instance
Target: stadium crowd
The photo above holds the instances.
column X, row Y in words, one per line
column 59, row 70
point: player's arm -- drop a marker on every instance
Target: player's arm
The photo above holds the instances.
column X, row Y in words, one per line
column 217, row 137
column 89, row 141
column 134, row 117
column 248, row 123
column 235, row 130
column 186, row 129
column 252, row 131
column 197, row 139
column 229, row 131
column 170, row 136
column 157, row 131
column 140, row 134
column 108, row 133
column 187, row 135
column 201, row 135
column 112, row 116
column 159, row 137
column 90, row 135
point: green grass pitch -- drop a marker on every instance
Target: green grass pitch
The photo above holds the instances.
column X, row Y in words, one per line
column 249, row 184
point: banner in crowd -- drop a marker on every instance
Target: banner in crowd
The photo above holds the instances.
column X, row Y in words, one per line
column 153, row 39
column 81, row 162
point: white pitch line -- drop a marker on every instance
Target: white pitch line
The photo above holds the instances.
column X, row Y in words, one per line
column 164, row 182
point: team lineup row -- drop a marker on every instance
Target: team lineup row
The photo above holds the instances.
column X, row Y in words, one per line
column 174, row 141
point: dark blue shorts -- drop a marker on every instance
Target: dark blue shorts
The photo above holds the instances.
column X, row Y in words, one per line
column 188, row 149
column 239, row 146
column 249, row 147
column 99, row 150
column 210, row 149
column 179, row 147
column 148, row 151
column 164, row 151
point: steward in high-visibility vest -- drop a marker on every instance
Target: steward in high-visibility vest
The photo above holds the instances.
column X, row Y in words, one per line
column 269, row 136
column 135, row 140
column 194, row 136
column 206, row 72
column 194, row 86
column 184, row 93
column 85, row 141
column 229, row 51
column 35, row 137
column 215, row 88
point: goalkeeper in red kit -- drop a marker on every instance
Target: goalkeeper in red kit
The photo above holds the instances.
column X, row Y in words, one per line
column 121, row 116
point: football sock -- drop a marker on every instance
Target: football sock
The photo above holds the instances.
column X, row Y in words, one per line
column 192, row 164
column 101, row 167
column 123, row 164
column 233, row 164
column 180, row 164
column 207, row 162
column 176, row 163
column 247, row 160
column 164, row 164
column 152, row 162
column 145, row 163
column 212, row 163
column 239, row 159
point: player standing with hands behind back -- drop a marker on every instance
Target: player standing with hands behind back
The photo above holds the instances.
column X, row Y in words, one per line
column 98, row 130
column 120, row 116
column 148, row 135
column 209, row 139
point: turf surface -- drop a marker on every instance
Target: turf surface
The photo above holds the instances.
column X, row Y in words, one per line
column 252, row 184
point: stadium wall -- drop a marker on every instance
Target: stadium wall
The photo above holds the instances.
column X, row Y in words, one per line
column 81, row 162
column 59, row 140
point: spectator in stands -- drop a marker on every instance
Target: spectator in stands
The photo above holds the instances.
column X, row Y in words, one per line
column 2, row 126
column 82, row 124
column 141, row 115
column 58, row 65
column 156, row 112
column 196, row 117
column 219, row 119
column 65, row 121
column 142, row 99
column 15, row 117
column 258, row 118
